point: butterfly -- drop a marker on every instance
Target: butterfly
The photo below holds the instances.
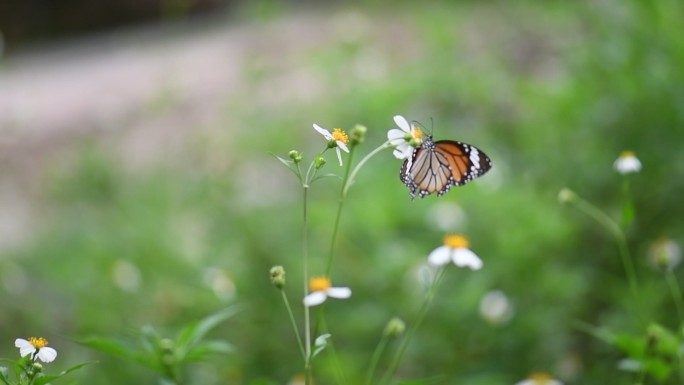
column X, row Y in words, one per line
column 436, row 166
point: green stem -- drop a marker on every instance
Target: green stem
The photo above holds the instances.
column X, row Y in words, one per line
column 340, row 205
column 676, row 293
column 382, row 345
column 365, row 159
column 614, row 229
column 307, row 318
column 294, row 323
column 414, row 326
column 346, row 184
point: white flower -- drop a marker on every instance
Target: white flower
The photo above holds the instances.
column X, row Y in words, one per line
column 539, row 379
column 321, row 289
column 665, row 253
column 37, row 347
column 627, row 163
column 405, row 138
column 495, row 307
column 337, row 139
column 455, row 249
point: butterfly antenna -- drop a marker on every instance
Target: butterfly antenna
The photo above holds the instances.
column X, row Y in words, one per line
column 422, row 126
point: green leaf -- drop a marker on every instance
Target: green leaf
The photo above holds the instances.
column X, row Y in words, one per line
column 320, row 344
column 118, row 349
column 201, row 350
column 4, row 374
column 633, row 346
column 289, row 164
column 328, row 175
column 194, row 332
column 45, row 379
column 665, row 342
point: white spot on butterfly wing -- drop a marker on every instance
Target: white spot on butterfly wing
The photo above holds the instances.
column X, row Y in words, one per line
column 474, row 158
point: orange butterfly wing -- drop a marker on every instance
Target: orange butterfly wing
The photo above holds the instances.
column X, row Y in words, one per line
column 436, row 166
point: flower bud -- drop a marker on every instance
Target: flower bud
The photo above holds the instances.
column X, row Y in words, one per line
column 665, row 254
column 278, row 276
column 295, row 155
column 320, row 161
column 566, row 195
column 357, row 134
column 395, row 327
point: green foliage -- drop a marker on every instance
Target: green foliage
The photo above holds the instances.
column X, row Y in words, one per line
column 168, row 357
column 552, row 91
column 29, row 372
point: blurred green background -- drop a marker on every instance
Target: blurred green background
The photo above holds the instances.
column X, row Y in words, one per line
column 174, row 208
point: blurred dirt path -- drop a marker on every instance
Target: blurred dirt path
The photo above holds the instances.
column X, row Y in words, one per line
column 51, row 98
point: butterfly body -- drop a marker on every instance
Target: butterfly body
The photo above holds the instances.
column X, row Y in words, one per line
column 436, row 166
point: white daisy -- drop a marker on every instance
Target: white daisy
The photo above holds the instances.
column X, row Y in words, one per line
column 495, row 307
column 405, row 138
column 665, row 253
column 337, row 139
column 37, row 348
column 321, row 289
column 455, row 249
column 627, row 163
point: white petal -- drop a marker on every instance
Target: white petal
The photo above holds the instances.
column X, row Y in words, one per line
column 402, row 123
column 315, row 298
column 396, row 136
column 525, row 382
column 339, row 155
column 403, row 151
column 47, row 354
column 342, row 146
column 25, row 347
column 626, row 165
column 339, row 292
column 463, row 257
column 326, row 134
column 440, row 256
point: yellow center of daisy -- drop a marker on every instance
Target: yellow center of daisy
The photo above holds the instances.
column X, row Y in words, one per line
column 38, row 343
column 540, row 378
column 455, row 241
column 319, row 284
column 627, row 154
column 340, row 136
column 418, row 134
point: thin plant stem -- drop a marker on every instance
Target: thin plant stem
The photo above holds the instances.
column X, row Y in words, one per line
column 614, row 229
column 365, row 159
column 340, row 205
column 346, row 184
column 307, row 318
column 294, row 323
column 375, row 358
column 676, row 293
column 422, row 312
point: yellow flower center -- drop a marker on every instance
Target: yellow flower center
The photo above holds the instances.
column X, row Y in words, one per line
column 627, row 154
column 340, row 136
column 38, row 343
column 540, row 378
column 417, row 134
column 456, row 241
column 319, row 284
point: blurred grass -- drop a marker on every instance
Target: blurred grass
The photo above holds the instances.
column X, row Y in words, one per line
column 552, row 91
